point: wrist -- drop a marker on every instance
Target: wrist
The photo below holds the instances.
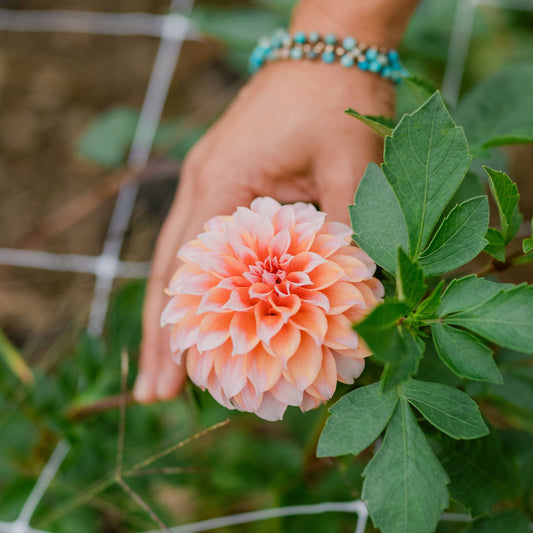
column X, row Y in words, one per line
column 379, row 22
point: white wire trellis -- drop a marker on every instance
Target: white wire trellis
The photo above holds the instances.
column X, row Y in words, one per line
column 172, row 29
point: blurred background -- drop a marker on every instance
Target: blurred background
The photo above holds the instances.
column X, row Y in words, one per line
column 74, row 251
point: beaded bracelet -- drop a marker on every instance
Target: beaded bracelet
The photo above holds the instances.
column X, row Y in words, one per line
column 282, row 45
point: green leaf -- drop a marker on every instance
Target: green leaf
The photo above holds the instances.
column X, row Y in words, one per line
column 506, row 196
column 481, row 472
column 467, row 292
column 496, row 244
column 447, row 408
column 381, row 125
column 523, row 260
column 405, row 485
column 380, row 330
column 509, row 521
column 420, row 88
column 499, row 111
column 357, row 420
column 406, row 360
column 506, row 318
column 426, row 159
column 428, row 307
column 108, row 137
column 411, row 286
column 527, row 245
column 465, row 354
column 459, row 238
column 377, row 219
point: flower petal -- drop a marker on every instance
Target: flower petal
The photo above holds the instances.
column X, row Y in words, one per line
column 185, row 334
column 354, row 269
column 221, row 266
column 199, row 366
column 243, row 333
column 285, row 343
column 286, row 392
column 178, row 307
column 230, row 370
column 262, row 369
column 267, row 324
column 280, row 243
column 303, row 367
column 339, row 229
column 340, row 334
column 239, row 300
column 343, row 295
column 284, row 218
column 348, row 369
column 215, row 389
column 287, row 306
column 247, row 400
column 271, row 409
column 305, row 262
column 213, row 300
column 325, row 275
column 265, row 205
column 214, row 330
column 309, row 402
column 325, row 383
column 312, row 320
column 325, row 245
column 315, row 298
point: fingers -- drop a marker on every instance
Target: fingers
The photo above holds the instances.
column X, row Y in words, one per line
column 155, row 342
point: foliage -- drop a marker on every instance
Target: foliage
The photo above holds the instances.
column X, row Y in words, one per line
column 404, row 216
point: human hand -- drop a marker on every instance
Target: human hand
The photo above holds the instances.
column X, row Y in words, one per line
column 284, row 136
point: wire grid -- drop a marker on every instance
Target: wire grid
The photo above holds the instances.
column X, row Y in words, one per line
column 172, row 30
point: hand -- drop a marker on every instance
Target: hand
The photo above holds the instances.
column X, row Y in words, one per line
column 284, row 136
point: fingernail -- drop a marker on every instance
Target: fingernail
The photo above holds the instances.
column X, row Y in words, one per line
column 166, row 385
column 141, row 391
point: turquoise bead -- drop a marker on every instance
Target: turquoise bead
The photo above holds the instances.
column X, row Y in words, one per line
column 371, row 54
column 363, row 65
column 313, row 37
column 393, row 56
column 311, row 55
column 299, row 37
column 349, row 43
column 374, row 66
column 347, row 61
column 296, row 53
column 276, row 42
column 330, row 39
column 328, row 57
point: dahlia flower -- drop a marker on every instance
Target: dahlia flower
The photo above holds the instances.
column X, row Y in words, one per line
column 264, row 305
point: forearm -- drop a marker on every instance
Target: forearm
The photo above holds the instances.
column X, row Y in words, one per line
column 380, row 22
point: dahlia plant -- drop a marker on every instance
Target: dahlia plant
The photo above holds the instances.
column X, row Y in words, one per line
column 274, row 304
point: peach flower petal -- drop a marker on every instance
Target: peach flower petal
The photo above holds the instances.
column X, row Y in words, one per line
column 264, row 306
